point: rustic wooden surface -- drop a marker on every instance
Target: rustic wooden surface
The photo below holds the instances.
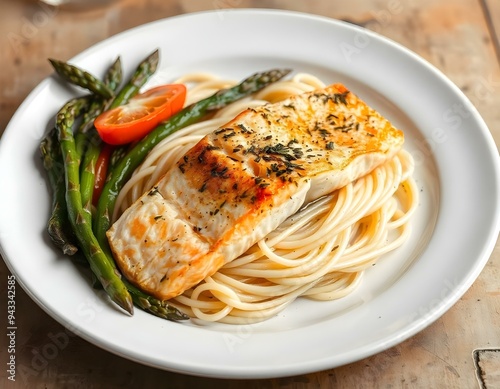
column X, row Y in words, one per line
column 460, row 37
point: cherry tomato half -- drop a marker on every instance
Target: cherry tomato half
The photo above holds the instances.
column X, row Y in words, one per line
column 134, row 120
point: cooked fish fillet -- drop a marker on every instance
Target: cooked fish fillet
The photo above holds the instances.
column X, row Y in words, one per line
column 242, row 181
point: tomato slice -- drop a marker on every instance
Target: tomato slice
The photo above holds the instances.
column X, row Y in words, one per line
column 101, row 170
column 134, row 120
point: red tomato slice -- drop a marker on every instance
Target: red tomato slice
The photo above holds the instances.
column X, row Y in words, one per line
column 134, row 120
column 101, row 170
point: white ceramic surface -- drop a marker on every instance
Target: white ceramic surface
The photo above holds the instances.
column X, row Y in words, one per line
column 453, row 232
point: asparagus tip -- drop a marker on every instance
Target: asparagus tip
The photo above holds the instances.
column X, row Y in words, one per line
column 126, row 303
column 69, row 249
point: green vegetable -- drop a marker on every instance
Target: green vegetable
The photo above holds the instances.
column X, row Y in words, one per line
column 141, row 75
column 87, row 134
column 87, row 175
column 81, row 78
column 114, row 76
column 112, row 80
column 58, row 226
column 153, row 305
column 101, row 265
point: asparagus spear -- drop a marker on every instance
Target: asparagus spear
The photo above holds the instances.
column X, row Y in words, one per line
column 154, row 306
column 58, row 223
column 81, row 138
column 112, row 80
column 79, row 77
column 116, row 156
column 114, row 76
column 101, row 265
column 87, row 175
column 142, row 74
column 124, row 168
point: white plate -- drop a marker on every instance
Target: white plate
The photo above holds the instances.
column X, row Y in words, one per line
column 453, row 233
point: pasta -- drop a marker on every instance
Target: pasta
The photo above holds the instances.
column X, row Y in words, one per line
column 319, row 253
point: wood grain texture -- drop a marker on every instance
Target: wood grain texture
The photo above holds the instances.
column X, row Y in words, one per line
column 453, row 35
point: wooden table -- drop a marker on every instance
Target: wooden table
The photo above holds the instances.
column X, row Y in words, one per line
column 460, row 37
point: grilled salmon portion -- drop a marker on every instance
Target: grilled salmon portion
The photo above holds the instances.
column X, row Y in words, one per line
column 242, row 181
